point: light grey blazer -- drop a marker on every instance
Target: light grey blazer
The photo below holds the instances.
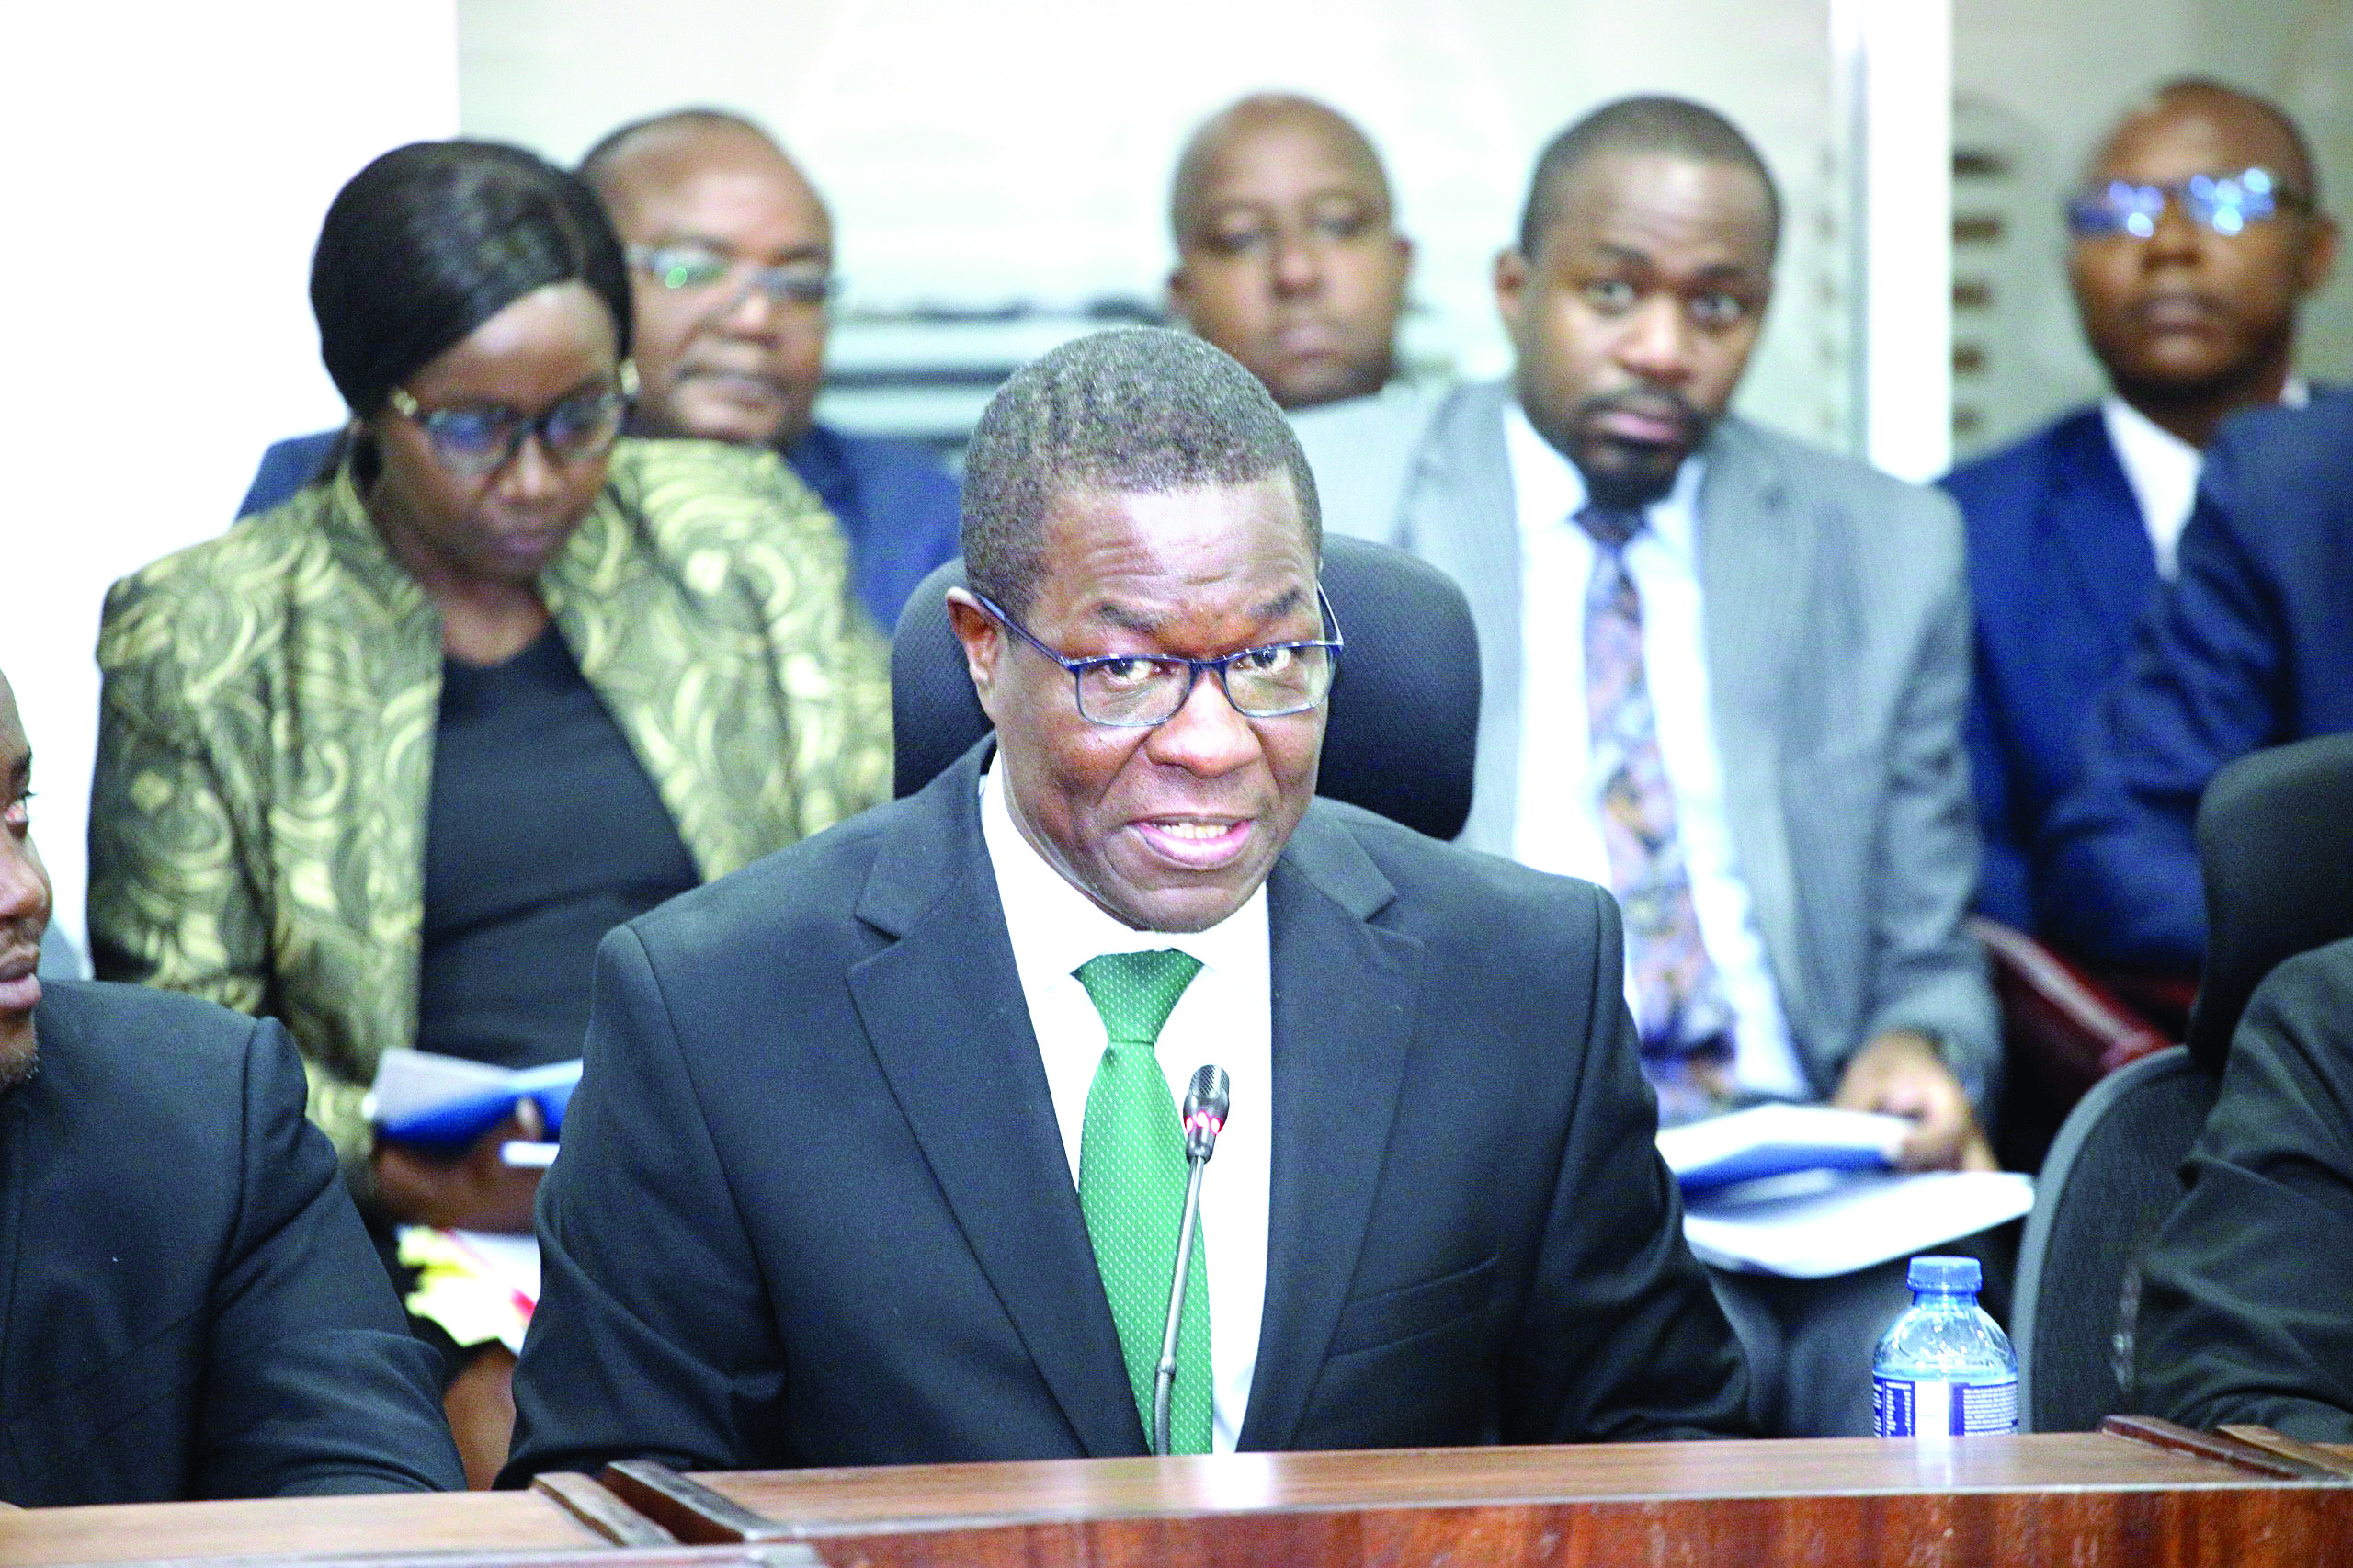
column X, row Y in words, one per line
column 1836, row 621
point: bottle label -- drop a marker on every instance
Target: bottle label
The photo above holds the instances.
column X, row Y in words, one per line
column 1906, row 1407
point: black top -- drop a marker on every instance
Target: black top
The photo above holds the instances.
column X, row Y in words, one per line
column 543, row 833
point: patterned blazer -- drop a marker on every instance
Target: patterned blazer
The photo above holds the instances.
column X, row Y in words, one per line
column 266, row 731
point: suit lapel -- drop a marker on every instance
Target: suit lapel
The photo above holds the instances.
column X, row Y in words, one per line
column 1460, row 517
column 1344, row 995
column 2093, row 521
column 943, row 1010
column 1757, row 547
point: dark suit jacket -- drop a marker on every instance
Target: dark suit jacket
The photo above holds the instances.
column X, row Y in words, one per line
column 2247, row 1308
column 813, row 1208
column 2060, row 571
column 900, row 510
column 2250, row 646
column 189, row 1306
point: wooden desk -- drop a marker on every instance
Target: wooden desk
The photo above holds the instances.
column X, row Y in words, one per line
column 2085, row 1499
column 469, row 1521
column 2164, row 1497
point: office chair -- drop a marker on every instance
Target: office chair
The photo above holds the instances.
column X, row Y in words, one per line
column 2063, row 1031
column 2112, row 1175
column 2274, row 846
column 1403, row 721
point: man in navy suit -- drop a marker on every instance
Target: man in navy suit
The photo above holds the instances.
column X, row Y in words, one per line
column 2196, row 238
column 828, row 1187
column 2251, row 646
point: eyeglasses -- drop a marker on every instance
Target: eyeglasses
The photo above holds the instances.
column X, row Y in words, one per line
column 1135, row 691
column 683, row 268
column 479, row 440
column 2222, row 204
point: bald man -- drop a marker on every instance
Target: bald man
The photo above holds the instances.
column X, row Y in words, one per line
column 1288, row 255
column 731, row 254
column 733, row 250
column 2196, row 235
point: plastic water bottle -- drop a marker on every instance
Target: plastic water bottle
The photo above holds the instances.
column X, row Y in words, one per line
column 1944, row 1368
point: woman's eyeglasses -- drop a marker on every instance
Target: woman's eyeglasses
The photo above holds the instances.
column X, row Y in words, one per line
column 484, row 438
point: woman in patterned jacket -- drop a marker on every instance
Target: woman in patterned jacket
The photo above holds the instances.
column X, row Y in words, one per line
column 385, row 762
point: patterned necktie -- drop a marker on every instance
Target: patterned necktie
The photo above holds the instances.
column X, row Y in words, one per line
column 1131, row 1176
column 1685, row 1025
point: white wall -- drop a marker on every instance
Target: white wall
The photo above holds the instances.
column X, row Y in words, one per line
column 1893, row 92
column 168, row 166
column 2307, row 57
column 1022, row 148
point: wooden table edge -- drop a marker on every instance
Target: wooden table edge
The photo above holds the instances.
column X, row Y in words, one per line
column 2329, row 1461
column 2257, row 1451
column 702, row 1514
column 598, row 1509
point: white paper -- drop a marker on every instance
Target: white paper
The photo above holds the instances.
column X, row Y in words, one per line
column 1791, row 1136
column 412, row 1084
column 1817, row 1223
column 513, row 1261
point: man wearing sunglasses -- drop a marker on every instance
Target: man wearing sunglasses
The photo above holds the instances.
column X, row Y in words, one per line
column 731, row 254
column 877, row 1154
column 2195, row 236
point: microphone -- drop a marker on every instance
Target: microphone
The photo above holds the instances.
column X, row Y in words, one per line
column 1207, row 1099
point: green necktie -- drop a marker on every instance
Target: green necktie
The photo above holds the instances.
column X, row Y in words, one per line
column 1132, row 1185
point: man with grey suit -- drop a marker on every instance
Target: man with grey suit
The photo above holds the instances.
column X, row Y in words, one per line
column 1725, row 673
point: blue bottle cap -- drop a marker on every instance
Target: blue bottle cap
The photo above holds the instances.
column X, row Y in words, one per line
column 1944, row 1274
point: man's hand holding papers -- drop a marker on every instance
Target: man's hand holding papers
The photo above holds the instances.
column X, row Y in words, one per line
column 1809, row 1191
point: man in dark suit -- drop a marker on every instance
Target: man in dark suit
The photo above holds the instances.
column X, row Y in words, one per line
column 2246, row 1312
column 189, row 1307
column 2251, row 646
column 2195, row 240
column 843, row 1183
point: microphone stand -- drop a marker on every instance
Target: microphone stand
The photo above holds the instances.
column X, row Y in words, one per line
column 1164, row 1378
column 1207, row 1100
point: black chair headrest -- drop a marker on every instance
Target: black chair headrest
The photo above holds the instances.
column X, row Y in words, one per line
column 1404, row 726
column 2274, row 846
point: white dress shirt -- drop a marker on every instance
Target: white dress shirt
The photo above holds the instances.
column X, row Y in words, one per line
column 1559, row 827
column 1225, row 1017
column 2163, row 469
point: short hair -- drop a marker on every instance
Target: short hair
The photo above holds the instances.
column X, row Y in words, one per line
column 1210, row 136
column 431, row 240
column 596, row 164
column 1133, row 410
column 2209, row 86
column 1652, row 124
